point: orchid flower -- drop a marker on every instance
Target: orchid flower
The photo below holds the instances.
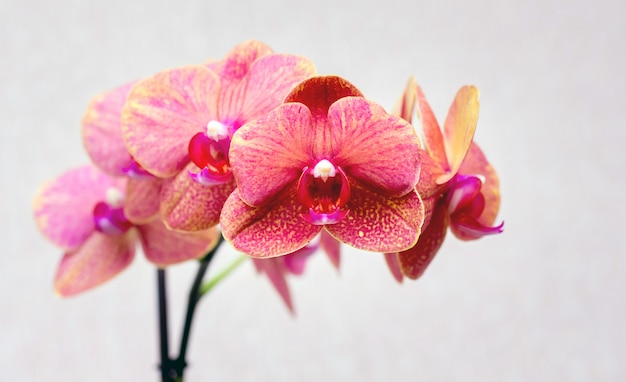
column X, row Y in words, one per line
column 459, row 187
column 326, row 159
column 178, row 125
column 103, row 141
column 82, row 211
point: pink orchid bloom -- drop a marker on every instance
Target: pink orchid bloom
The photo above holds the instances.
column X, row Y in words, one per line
column 277, row 268
column 82, row 212
column 459, row 187
column 178, row 125
column 326, row 159
column 103, row 141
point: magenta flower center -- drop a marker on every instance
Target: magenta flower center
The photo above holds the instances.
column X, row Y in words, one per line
column 324, row 191
column 465, row 205
column 108, row 215
column 135, row 171
column 209, row 151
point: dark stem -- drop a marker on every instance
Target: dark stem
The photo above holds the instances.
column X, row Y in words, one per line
column 180, row 363
column 166, row 365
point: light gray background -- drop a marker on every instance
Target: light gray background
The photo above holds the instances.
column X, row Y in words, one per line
column 543, row 301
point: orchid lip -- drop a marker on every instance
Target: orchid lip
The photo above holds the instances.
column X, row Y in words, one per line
column 209, row 151
column 324, row 191
column 316, row 218
column 135, row 171
column 110, row 220
column 463, row 190
column 207, row 177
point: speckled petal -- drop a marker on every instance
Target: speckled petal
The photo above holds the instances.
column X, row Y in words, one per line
column 102, row 131
column 378, row 222
column 142, row 200
column 377, row 148
column 163, row 112
column 189, row 206
column 332, row 247
column 459, row 128
column 433, row 139
column 275, row 271
column 269, row 81
column 413, row 262
column 270, row 153
column 273, row 230
column 63, row 208
column 100, row 258
column 476, row 163
column 164, row 247
column 405, row 106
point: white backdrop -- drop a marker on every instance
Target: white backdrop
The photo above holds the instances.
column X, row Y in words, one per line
column 543, row 301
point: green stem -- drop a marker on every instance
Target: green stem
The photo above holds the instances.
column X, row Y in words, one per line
column 206, row 287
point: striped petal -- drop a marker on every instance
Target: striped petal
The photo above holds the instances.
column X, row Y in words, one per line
column 102, row 131
column 433, row 139
column 272, row 230
column 163, row 112
column 100, row 258
column 319, row 92
column 459, row 128
column 63, row 208
column 233, row 72
column 142, row 200
column 270, row 152
column 189, row 206
column 164, row 247
column 269, row 81
column 377, row 148
column 380, row 223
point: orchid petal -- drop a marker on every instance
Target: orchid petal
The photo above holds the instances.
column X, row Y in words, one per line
column 430, row 171
column 190, row 206
column 102, row 131
column 100, row 258
column 236, row 65
column 142, row 200
column 378, row 222
column 319, row 92
column 272, row 230
column 233, row 73
column 414, row 261
column 165, row 247
column 405, row 106
column 466, row 227
column 433, row 139
column 296, row 261
column 476, row 163
column 394, row 266
column 269, row 81
column 163, row 112
column 274, row 269
column 332, row 247
column 377, row 148
column 459, row 128
column 270, row 152
column 64, row 207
